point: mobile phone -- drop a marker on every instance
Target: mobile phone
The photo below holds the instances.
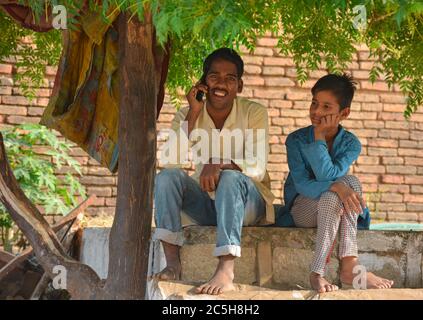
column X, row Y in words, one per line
column 200, row 94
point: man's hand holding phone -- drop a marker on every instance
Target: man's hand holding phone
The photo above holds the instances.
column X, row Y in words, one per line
column 195, row 106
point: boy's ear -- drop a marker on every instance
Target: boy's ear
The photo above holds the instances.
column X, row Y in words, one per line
column 345, row 113
column 240, row 85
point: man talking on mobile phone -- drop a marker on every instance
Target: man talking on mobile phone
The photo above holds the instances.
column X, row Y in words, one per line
column 230, row 187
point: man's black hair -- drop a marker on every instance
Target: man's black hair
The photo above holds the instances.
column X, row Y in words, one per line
column 342, row 86
column 225, row 54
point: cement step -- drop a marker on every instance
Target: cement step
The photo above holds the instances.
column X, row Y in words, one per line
column 176, row 290
column 275, row 258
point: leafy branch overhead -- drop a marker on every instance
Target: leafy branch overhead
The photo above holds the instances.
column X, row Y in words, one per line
column 313, row 32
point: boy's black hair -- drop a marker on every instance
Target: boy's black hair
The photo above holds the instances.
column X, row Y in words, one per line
column 225, row 54
column 342, row 86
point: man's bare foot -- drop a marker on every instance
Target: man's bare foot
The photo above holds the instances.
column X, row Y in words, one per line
column 168, row 273
column 173, row 263
column 320, row 284
column 373, row 281
column 222, row 280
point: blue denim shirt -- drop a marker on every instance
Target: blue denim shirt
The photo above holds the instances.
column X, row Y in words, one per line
column 313, row 168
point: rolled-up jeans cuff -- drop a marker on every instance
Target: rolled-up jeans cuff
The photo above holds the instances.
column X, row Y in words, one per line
column 176, row 238
column 226, row 250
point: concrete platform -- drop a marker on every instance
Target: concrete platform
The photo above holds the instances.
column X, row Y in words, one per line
column 173, row 290
column 276, row 258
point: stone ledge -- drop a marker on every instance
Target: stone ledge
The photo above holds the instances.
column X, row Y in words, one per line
column 276, row 258
column 177, row 290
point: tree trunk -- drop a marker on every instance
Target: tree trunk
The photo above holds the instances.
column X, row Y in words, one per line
column 131, row 230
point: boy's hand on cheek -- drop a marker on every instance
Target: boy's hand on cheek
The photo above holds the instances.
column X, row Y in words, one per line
column 327, row 124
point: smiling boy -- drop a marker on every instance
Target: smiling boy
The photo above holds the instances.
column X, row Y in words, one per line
column 318, row 191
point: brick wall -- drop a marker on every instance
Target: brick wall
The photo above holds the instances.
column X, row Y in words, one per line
column 390, row 166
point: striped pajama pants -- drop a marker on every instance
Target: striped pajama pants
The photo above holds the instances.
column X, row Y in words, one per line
column 326, row 213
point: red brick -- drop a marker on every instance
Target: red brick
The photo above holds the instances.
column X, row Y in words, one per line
column 291, row 72
column 269, row 93
column 34, row 111
column 20, row 119
column 394, row 188
column 261, row 51
column 393, row 178
column 291, row 113
column 365, row 56
column 367, row 178
column 302, row 122
column 352, row 124
column 401, row 169
column 390, row 116
column 15, row 100
column 252, row 69
column 276, row 158
column 317, row 74
column 278, row 82
column 410, row 152
column 90, row 180
column 6, row 68
column 366, row 65
column 393, row 98
column 402, row 216
column 299, row 95
column 369, row 169
column 280, row 71
column 402, row 124
column 361, row 115
column 366, row 106
column 6, row 81
column 416, row 117
column 12, row 110
column 414, row 180
column 5, row 91
column 389, row 107
column 365, row 133
column 391, row 207
column 111, row 202
column 278, row 61
column 377, row 142
column 273, row 112
column 267, row 42
column 373, row 124
column 249, row 59
column 366, row 97
column 414, row 161
column 360, row 74
column 100, row 191
column 413, row 198
column 277, row 149
column 253, row 80
column 417, row 189
column 368, row 160
column 283, row 104
column 392, row 197
column 394, row 134
column 392, row 160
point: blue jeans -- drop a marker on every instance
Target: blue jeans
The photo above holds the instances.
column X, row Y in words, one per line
column 237, row 203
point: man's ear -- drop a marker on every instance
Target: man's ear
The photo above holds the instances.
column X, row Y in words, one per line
column 240, row 85
column 345, row 113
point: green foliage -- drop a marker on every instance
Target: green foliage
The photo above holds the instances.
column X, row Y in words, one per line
column 35, row 171
column 312, row 31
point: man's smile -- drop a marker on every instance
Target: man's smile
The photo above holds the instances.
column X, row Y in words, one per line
column 219, row 92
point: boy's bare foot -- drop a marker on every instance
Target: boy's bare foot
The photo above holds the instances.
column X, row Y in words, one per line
column 222, row 280
column 373, row 281
column 320, row 284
